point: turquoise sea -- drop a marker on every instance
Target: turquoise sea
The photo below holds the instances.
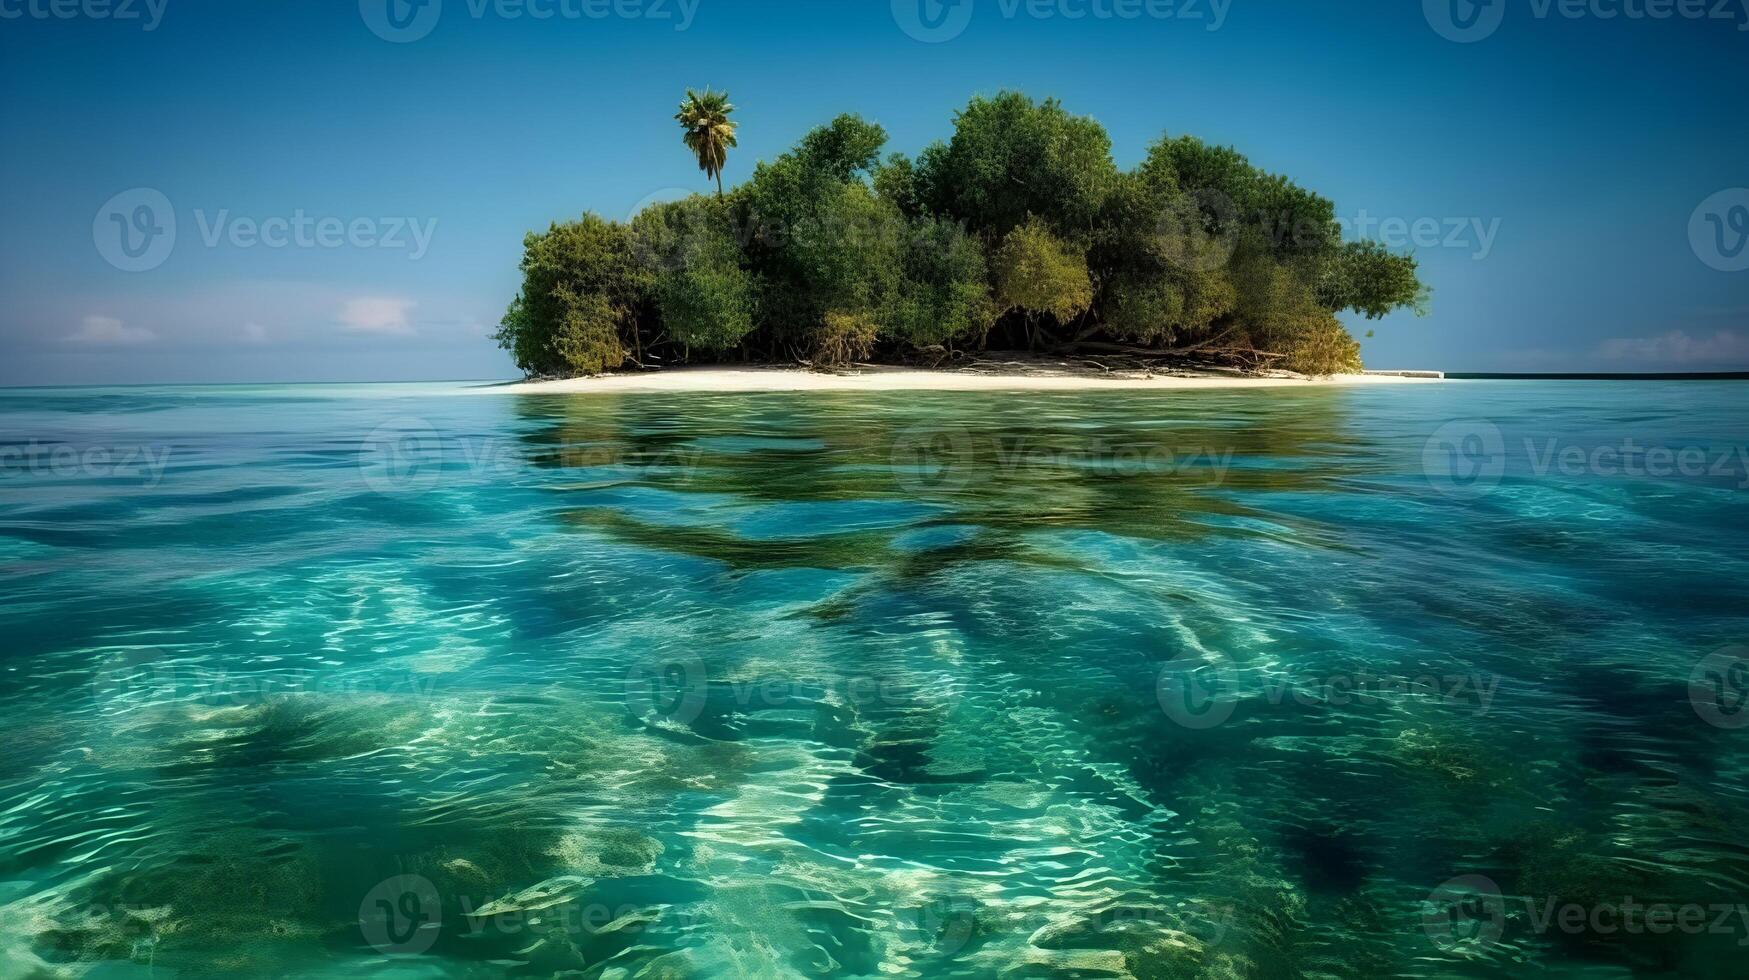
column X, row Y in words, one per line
column 417, row 681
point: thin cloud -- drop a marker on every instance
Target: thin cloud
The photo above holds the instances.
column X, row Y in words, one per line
column 107, row 331
column 378, row 315
column 1678, row 349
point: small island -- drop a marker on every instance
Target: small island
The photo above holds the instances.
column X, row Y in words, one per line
column 1016, row 242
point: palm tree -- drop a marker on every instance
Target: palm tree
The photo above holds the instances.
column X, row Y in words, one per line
column 709, row 133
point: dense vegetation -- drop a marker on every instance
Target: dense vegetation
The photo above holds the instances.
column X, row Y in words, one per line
column 1019, row 233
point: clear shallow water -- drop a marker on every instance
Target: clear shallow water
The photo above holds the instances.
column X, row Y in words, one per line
column 403, row 682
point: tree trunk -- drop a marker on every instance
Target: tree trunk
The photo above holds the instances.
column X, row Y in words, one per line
column 719, row 185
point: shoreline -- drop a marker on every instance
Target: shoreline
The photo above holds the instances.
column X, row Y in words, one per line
column 718, row 379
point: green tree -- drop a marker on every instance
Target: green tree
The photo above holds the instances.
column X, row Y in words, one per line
column 1160, row 262
column 590, row 257
column 1011, row 159
column 843, row 149
column 944, row 291
column 1278, row 311
column 1020, row 219
column 1371, row 280
column 896, row 181
column 1036, row 273
column 844, row 338
column 709, row 132
column 588, row 340
column 819, row 239
column 703, row 296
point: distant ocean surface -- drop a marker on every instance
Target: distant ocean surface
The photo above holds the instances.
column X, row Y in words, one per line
column 404, row 681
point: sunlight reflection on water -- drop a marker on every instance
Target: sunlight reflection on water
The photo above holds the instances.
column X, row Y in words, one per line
column 1149, row 684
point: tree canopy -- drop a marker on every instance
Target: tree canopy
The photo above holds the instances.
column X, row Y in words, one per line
column 1018, row 232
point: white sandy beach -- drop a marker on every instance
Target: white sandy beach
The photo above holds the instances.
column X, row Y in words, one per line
column 883, row 378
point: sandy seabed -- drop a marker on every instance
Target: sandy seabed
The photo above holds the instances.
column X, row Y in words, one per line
column 882, row 378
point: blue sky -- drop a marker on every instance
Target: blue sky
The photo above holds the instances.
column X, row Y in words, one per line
column 351, row 208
